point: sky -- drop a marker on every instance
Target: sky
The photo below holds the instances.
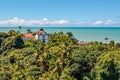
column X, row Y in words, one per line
column 60, row 13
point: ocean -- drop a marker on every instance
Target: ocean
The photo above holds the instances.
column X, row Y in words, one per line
column 86, row 34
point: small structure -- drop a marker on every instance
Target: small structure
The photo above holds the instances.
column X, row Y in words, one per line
column 82, row 43
column 39, row 35
column 28, row 36
column 42, row 35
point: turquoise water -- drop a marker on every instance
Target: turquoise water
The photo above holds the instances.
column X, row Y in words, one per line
column 81, row 33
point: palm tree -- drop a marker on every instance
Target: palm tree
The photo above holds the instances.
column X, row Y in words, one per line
column 106, row 39
column 20, row 29
column 29, row 31
column 69, row 34
column 112, row 43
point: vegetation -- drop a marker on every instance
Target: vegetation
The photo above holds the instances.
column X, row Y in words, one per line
column 20, row 27
column 29, row 31
column 60, row 59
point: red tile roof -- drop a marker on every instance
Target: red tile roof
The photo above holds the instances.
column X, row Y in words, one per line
column 82, row 43
column 39, row 32
column 28, row 35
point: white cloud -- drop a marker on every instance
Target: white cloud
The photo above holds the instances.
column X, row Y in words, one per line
column 98, row 23
column 45, row 19
column 44, row 22
column 15, row 18
column 60, row 22
column 109, row 22
column 16, row 22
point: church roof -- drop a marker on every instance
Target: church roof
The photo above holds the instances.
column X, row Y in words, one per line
column 28, row 35
column 40, row 31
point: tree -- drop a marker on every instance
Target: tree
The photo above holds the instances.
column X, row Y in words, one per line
column 60, row 33
column 118, row 45
column 0, row 51
column 106, row 39
column 107, row 66
column 7, row 44
column 69, row 34
column 20, row 29
column 112, row 43
column 75, row 71
column 29, row 31
column 19, row 43
column 12, row 33
column 3, row 35
column 112, row 72
column 0, row 42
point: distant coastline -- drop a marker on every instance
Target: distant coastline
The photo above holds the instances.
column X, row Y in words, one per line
column 86, row 34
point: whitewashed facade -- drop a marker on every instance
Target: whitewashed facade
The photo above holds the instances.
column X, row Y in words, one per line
column 43, row 36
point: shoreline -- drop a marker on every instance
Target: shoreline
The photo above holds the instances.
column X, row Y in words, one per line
column 80, row 33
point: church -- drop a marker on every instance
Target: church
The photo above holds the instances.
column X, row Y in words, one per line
column 39, row 35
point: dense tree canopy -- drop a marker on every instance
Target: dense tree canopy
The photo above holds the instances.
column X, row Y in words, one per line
column 60, row 59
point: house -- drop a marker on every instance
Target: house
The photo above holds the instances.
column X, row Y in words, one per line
column 39, row 35
column 82, row 43
column 42, row 35
column 28, row 36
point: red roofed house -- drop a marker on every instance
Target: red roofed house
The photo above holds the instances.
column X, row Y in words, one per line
column 28, row 36
column 41, row 35
column 82, row 43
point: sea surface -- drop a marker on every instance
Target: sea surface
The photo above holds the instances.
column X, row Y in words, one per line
column 86, row 34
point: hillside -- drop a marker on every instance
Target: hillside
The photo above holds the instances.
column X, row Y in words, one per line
column 60, row 59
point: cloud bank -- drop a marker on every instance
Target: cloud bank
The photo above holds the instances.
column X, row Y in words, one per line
column 100, row 23
column 45, row 22
column 16, row 22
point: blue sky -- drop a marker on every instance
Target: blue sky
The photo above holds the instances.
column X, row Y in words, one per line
column 60, row 12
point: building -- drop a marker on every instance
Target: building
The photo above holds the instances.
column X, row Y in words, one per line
column 39, row 35
column 28, row 36
column 42, row 35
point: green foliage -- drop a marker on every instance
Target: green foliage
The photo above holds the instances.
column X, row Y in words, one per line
column 118, row 45
column 20, row 27
column 0, row 41
column 18, row 41
column 29, row 31
column 108, row 66
column 112, row 43
column 12, row 33
column 3, row 35
column 10, row 43
column 7, row 44
column 5, row 75
column 69, row 34
column 60, row 59
column 60, row 38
